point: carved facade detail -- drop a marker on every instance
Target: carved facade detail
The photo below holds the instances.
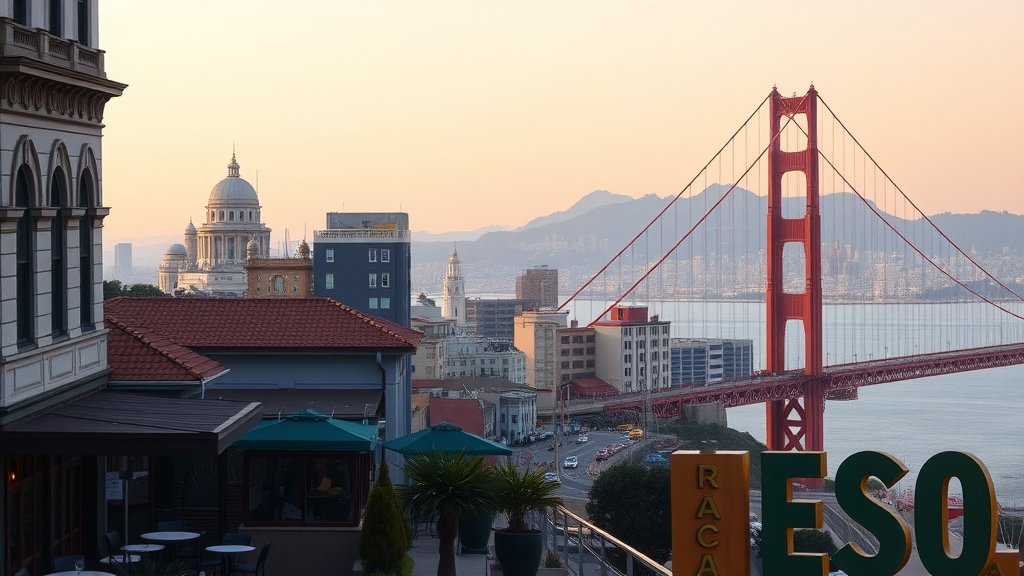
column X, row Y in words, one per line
column 34, row 94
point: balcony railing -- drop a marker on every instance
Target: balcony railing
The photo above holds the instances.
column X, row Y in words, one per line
column 362, row 234
column 589, row 551
column 21, row 41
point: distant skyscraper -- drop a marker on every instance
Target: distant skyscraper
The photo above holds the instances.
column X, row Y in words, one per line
column 538, row 288
column 363, row 259
column 453, row 305
column 123, row 256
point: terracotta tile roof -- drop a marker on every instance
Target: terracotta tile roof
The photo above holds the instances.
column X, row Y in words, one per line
column 248, row 323
column 141, row 354
column 463, row 412
column 591, row 387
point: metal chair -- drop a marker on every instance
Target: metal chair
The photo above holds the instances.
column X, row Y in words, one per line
column 236, row 538
column 67, row 563
column 256, row 569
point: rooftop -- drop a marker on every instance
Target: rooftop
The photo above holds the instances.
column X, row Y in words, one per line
column 248, row 323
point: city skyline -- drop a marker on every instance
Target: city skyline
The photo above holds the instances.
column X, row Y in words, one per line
column 470, row 114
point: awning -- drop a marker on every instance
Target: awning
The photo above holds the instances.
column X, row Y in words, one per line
column 108, row 423
column 310, row 431
column 446, row 437
column 352, row 404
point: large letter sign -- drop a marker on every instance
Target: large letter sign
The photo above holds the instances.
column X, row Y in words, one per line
column 710, row 511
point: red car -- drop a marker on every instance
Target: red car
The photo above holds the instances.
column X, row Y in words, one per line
column 601, row 455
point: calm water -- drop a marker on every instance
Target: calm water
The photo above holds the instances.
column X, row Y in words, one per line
column 978, row 412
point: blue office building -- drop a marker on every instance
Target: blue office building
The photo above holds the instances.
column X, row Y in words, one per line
column 363, row 260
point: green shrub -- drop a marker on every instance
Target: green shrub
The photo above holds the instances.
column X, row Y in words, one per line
column 552, row 559
column 385, row 538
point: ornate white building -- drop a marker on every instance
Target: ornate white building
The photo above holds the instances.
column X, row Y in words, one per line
column 453, row 305
column 213, row 257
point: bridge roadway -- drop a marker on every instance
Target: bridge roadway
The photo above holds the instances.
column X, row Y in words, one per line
column 840, row 381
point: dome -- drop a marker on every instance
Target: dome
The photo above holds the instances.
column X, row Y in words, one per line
column 190, row 229
column 252, row 245
column 233, row 189
column 176, row 250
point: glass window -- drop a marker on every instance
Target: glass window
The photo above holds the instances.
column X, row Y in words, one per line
column 385, row 280
column 373, row 280
column 565, row 339
column 231, row 216
column 385, row 302
column 302, row 489
column 373, row 254
column 329, row 281
column 385, row 255
column 330, row 254
column 373, row 303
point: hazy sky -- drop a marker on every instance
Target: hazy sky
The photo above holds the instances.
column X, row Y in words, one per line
column 472, row 113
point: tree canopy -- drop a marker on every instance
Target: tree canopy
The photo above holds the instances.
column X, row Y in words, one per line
column 114, row 288
column 631, row 502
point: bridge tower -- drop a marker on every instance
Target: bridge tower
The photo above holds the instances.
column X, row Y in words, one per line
column 795, row 424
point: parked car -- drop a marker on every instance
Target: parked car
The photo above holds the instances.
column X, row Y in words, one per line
column 602, row 454
column 547, row 435
column 570, row 462
column 551, row 477
column 583, row 439
column 656, row 459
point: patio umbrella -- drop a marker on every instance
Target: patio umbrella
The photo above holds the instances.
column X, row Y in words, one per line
column 446, row 437
column 311, row 431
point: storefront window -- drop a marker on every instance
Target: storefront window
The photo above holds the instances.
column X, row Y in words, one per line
column 302, row 489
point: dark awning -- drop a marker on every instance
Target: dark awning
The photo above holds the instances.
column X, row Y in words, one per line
column 108, row 423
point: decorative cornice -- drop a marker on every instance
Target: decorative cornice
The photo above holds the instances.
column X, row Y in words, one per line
column 25, row 92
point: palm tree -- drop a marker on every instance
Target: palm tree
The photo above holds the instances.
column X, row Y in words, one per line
column 523, row 491
column 450, row 485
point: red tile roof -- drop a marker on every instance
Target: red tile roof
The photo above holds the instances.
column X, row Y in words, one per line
column 141, row 354
column 591, row 387
column 463, row 412
column 248, row 323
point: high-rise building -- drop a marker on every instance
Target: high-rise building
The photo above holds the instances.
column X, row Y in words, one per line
column 538, row 288
column 453, row 304
column 363, row 259
column 633, row 350
column 492, row 317
column 123, row 256
column 699, row 362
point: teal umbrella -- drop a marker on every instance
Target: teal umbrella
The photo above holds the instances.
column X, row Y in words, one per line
column 446, row 437
column 310, row 431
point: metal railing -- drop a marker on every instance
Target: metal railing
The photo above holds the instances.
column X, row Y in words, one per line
column 362, row 234
column 23, row 41
column 589, row 551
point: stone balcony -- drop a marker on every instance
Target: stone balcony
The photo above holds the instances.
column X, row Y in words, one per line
column 17, row 41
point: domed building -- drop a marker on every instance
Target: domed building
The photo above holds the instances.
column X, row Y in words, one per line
column 216, row 252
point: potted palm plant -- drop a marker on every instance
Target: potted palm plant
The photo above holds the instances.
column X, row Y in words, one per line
column 518, row 548
column 450, row 486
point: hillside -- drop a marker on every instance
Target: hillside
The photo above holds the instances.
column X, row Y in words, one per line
column 691, row 434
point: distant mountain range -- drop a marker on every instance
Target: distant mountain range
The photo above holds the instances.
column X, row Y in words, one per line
column 580, row 240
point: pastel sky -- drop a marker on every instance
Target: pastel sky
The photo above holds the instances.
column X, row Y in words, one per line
column 472, row 113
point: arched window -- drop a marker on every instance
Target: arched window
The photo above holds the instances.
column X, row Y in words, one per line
column 25, row 272
column 58, row 254
column 221, row 215
column 250, row 215
column 231, row 216
column 85, row 286
column 278, row 283
column 213, row 216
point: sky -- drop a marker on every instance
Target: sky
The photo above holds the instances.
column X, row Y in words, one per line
column 474, row 113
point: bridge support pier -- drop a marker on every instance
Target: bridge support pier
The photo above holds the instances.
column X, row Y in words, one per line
column 792, row 424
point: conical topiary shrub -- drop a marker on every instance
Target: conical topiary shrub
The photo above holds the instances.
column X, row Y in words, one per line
column 385, row 538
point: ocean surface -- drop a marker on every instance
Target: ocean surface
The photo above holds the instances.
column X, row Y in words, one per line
column 980, row 412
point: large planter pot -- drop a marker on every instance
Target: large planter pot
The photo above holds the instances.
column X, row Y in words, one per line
column 475, row 532
column 519, row 553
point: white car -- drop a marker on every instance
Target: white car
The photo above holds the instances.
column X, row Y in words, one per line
column 582, row 439
column 570, row 462
column 551, row 477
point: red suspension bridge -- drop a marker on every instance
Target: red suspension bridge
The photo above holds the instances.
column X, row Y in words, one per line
column 859, row 287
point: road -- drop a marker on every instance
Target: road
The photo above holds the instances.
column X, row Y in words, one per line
column 576, row 482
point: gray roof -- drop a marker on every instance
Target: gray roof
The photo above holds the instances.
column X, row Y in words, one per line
column 176, row 250
column 234, row 190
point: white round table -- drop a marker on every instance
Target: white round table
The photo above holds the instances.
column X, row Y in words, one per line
column 170, row 536
column 228, row 550
column 82, row 573
column 120, row 558
column 143, row 548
